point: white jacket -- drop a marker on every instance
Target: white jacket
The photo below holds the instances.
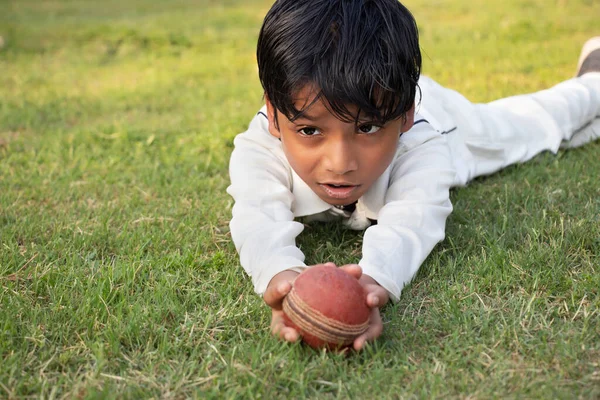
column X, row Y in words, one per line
column 410, row 202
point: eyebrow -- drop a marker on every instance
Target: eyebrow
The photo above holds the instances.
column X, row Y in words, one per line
column 313, row 118
column 306, row 116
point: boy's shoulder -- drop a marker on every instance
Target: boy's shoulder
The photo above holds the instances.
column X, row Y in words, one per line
column 258, row 132
column 257, row 148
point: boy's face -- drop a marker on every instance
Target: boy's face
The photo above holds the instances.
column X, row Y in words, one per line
column 338, row 160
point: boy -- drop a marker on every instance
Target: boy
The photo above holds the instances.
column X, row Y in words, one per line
column 351, row 133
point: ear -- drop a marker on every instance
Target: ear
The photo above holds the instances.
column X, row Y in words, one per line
column 409, row 120
column 273, row 127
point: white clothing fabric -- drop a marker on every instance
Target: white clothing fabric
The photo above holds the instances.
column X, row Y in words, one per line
column 489, row 137
column 451, row 142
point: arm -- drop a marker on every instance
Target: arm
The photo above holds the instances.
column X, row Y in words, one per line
column 262, row 226
column 413, row 219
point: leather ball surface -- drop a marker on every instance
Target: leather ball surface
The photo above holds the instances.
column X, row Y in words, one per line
column 327, row 306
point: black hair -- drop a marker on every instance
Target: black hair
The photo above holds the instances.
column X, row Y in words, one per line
column 363, row 53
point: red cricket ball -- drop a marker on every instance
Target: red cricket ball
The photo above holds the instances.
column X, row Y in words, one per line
column 327, row 306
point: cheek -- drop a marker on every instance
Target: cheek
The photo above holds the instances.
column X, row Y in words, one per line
column 376, row 159
column 382, row 153
column 301, row 158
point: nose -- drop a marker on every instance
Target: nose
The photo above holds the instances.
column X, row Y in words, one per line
column 340, row 156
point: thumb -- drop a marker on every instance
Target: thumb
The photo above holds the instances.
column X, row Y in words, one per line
column 274, row 294
column 353, row 269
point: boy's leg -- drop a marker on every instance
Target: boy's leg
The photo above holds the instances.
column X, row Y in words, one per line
column 589, row 61
column 489, row 137
column 585, row 135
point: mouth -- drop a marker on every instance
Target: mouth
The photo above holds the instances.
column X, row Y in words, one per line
column 338, row 191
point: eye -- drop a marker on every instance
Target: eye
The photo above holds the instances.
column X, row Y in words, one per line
column 368, row 128
column 309, row 131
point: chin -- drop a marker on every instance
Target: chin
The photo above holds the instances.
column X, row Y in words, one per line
column 339, row 202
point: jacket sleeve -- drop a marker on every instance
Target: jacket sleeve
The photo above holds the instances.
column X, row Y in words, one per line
column 413, row 218
column 262, row 225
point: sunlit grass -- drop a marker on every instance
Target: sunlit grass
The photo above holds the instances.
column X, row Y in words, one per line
column 117, row 274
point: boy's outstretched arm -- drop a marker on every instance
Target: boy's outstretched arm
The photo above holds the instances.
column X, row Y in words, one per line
column 262, row 225
column 417, row 204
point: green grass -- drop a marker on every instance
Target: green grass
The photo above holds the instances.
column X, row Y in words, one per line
column 117, row 274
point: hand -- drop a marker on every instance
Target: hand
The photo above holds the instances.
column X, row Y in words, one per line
column 377, row 297
column 278, row 288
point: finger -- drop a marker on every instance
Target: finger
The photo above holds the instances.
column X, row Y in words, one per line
column 279, row 329
column 372, row 300
column 274, row 295
column 376, row 296
column 277, row 323
column 353, row 269
column 374, row 331
column 289, row 334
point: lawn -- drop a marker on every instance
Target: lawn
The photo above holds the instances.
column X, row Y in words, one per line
column 118, row 277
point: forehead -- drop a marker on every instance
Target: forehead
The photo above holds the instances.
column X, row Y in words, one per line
column 311, row 104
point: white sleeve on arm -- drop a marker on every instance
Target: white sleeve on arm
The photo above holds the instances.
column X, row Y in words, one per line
column 262, row 226
column 413, row 219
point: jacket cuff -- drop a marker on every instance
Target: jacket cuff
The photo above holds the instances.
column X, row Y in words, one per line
column 274, row 266
column 383, row 280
